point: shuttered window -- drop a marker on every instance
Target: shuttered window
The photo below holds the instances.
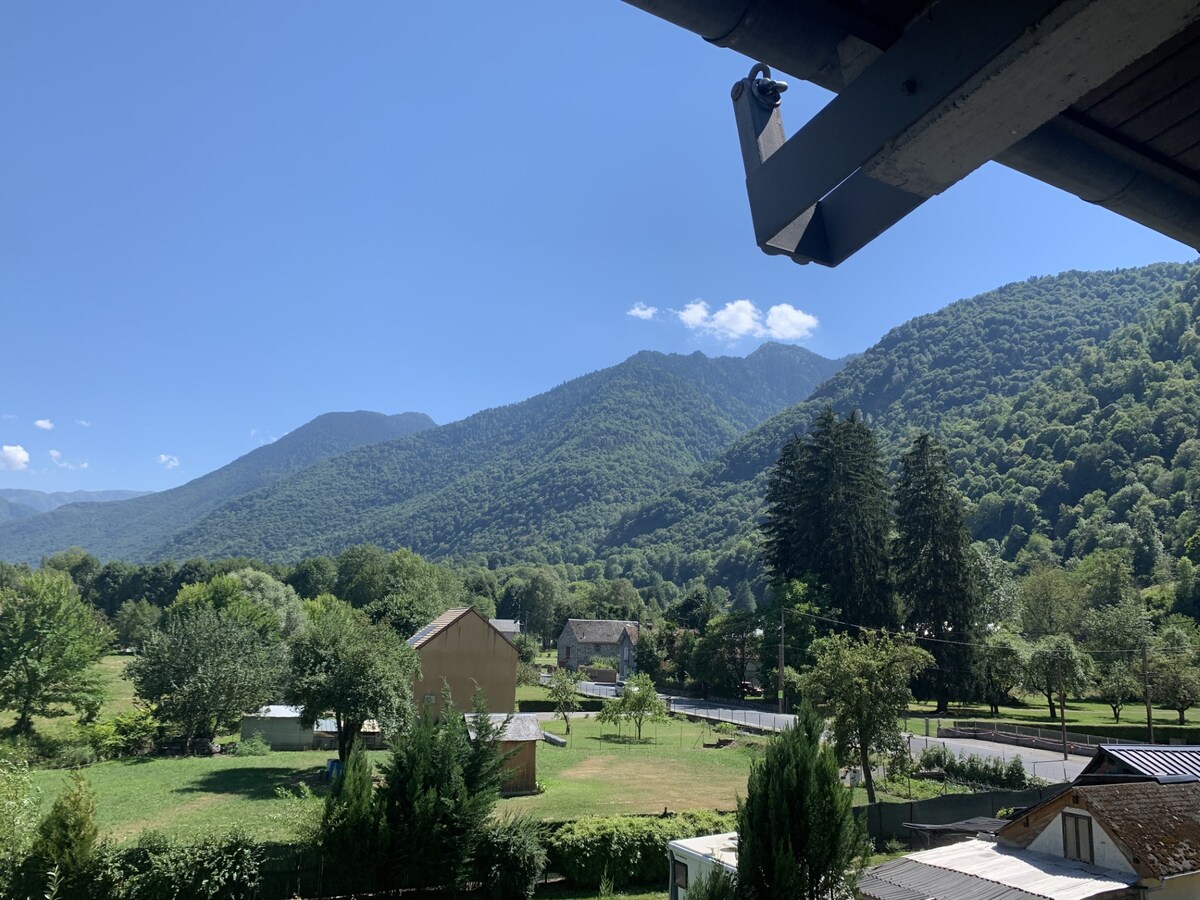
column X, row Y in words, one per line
column 1077, row 837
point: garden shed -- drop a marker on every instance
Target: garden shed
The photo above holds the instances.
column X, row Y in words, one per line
column 279, row 726
column 520, row 738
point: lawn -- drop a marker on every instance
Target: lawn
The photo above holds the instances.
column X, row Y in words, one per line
column 188, row 796
column 110, row 671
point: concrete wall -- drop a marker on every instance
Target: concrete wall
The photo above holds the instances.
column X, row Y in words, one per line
column 467, row 654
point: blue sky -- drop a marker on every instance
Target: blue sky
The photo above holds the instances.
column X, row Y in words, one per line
column 220, row 220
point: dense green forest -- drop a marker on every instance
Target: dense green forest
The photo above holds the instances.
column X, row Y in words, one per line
column 129, row 528
column 544, row 478
column 1101, row 452
column 941, row 372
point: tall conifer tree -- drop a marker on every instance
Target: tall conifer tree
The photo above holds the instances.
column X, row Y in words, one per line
column 828, row 517
column 934, row 563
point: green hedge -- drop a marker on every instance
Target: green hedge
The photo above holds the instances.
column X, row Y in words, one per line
column 527, row 706
column 1133, row 731
column 628, row 849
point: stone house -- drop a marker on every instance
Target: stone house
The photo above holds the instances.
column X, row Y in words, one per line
column 583, row 640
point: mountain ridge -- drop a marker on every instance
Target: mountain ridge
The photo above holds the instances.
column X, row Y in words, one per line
column 114, row 529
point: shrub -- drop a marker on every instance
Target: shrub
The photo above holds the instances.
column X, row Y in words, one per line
column 718, row 884
column 604, row 662
column 973, row 769
column 725, row 729
column 510, row 858
column 159, row 868
column 256, row 745
column 629, row 849
column 527, row 674
column 131, row 733
column 18, row 817
column 66, row 836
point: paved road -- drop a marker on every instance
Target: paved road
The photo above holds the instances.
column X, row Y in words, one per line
column 1046, row 764
column 706, row 709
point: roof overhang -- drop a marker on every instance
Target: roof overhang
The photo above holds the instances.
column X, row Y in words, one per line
column 1098, row 97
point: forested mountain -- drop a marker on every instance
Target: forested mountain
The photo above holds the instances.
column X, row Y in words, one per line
column 43, row 501
column 544, row 477
column 940, row 372
column 130, row 529
column 1101, row 452
column 10, row 510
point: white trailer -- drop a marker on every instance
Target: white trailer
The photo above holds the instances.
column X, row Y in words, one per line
column 692, row 858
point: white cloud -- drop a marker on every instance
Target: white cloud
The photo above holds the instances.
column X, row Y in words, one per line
column 641, row 311
column 787, row 323
column 741, row 318
column 44, row 424
column 63, row 464
column 168, row 461
column 14, row 458
column 83, row 423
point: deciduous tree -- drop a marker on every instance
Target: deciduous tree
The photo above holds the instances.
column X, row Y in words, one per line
column 343, row 666
column 204, row 670
column 564, row 694
column 49, row 639
column 863, row 685
column 639, row 703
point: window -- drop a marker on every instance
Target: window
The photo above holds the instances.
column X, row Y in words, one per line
column 1077, row 837
column 681, row 873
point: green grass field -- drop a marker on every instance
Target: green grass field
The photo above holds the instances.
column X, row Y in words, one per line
column 602, row 773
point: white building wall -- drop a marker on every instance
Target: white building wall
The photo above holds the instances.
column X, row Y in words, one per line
column 1105, row 851
column 1184, row 887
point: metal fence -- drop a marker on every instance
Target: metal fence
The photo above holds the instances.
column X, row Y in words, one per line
column 885, row 821
column 1029, row 736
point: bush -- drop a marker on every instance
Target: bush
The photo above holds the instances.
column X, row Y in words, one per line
column 66, row 837
column 717, row 884
column 628, row 849
column 973, row 769
column 510, row 858
column 18, row 817
column 255, row 746
column 527, row 674
column 159, row 868
column 131, row 733
column 526, row 706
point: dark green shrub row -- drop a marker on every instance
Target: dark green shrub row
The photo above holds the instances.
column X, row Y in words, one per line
column 1187, row 734
column 525, row 706
column 990, row 771
column 626, row 849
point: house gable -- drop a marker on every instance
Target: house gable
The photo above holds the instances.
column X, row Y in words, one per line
column 464, row 651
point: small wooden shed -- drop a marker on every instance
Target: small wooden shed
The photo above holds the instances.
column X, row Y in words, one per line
column 519, row 742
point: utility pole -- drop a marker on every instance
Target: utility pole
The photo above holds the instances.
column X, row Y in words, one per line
column 779, row 679
column 1062, row 707
column 1146, row 691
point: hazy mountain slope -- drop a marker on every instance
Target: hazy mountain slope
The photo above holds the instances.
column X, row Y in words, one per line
column 957, row 365
column 130, row 529
column 41, row 501
column 547, row 475
column 10, row 510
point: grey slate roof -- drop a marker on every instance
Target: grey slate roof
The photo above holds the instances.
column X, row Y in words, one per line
column 1146, row 759
column 506, row 626
column 601, row 631
column 521, row 726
